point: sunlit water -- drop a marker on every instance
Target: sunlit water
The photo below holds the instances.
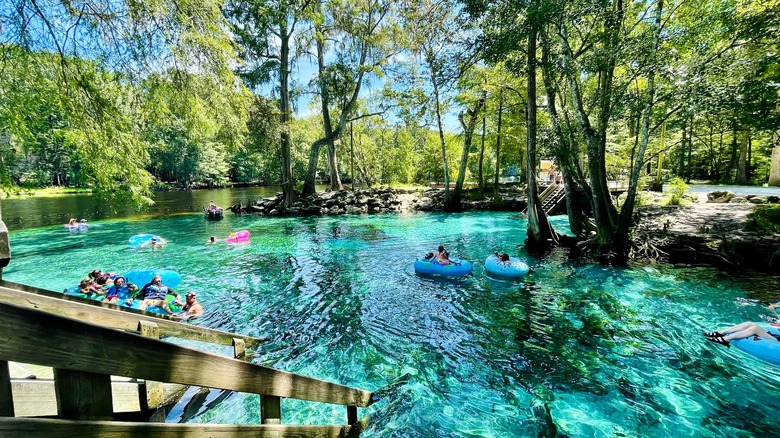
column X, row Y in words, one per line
column 610, row 351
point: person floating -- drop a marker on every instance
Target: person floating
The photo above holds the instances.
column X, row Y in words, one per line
column 157, row 243
column 119, row 291
column 192, row 308
column 154, row 295
column 739, row 331
column 212, row 240
column 503, row 258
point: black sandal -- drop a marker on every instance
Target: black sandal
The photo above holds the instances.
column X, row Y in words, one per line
column 720, row 340
column 712, row 334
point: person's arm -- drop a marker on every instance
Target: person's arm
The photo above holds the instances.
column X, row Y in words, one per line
column 176, row 294
column 139, row 293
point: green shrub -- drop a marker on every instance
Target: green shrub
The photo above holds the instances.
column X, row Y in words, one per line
column 676, row 191
column 765, row 218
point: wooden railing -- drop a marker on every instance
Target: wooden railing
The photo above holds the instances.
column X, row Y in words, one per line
column 106, row 315
column 85, row 355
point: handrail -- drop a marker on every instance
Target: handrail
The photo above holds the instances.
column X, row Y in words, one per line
column 111, row 315
column 44, row 427
column 69, row 344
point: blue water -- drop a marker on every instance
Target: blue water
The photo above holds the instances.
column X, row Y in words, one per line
column 610, row 351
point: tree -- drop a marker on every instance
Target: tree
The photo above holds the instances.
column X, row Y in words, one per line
column 265, row 31
column 362, row 35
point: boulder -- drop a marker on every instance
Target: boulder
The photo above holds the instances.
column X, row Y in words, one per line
column 757, row 200
column 720, row 197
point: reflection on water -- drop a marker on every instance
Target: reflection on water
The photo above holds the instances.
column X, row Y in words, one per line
column 608, row 351
column 36, row 212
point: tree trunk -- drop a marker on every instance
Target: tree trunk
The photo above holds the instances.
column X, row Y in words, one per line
column 567, row 153
column 742, row 163
column 620, row 246
column 468, row 134
column 440, row 126
column 287, row 182
column 539, row 234
column 496, row 192
column 480, row 177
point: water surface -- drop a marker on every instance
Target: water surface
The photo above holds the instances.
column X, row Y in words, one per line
column 609, row 351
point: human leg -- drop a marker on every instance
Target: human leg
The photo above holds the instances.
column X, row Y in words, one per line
column 750, row 329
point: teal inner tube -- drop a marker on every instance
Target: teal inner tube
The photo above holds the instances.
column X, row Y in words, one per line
column 456, row 268
column 515, row 267
column 143, row 277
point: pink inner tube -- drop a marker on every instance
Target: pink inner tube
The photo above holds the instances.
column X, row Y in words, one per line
column 240, row 236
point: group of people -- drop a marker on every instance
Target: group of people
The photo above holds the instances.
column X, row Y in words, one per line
column 152, row 294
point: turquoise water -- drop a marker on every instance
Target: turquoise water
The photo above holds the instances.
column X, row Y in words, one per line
column 609, row 351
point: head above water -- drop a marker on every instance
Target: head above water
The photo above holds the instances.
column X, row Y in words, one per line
column 119, row 281
column 190, row 295
column 441, row 248
column 156, row 279
column 504, row 257
column 96, row 273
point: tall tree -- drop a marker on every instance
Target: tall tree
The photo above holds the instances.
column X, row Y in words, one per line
column 362, row 49
column 265, row 32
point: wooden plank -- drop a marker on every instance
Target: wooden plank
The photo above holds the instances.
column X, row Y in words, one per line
column 239, row 349
column 106, row 315
column 6, row 393
column 352, row 416
column 153, row 390
column 36, row 398
column 270, row 409
column 76, row 345
column 52, row 428
column 83, row 395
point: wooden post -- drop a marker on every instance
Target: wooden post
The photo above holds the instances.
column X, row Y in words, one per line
column 152, row 398
column 270, row 409
column 6, row 397
column 83, row 396
column 352, row 417
column 239, row 348
column 5, row 247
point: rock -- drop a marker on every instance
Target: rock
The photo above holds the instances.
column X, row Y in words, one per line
column 739, row 200
column 720, row 197
column 773, row 199
column 756, row 200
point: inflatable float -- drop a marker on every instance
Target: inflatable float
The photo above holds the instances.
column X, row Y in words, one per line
column 74, row 291
column 143, row 240
column 456, row 268
column 142, row 278
column 238, row 237
column 764, row 349
column 514, row 268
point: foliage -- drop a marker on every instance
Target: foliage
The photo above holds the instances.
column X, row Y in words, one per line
column 676, row 189
column 764, row 219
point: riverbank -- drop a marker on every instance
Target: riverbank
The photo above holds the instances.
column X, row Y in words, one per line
column 709, row 229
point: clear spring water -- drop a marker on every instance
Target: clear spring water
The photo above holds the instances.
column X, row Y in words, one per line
column 610, row 351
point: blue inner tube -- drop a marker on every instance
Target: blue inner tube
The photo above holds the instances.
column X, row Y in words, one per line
column 761, row 348
column 143, row 239
column 141, row 278
column 456, row 268
column 515, row 267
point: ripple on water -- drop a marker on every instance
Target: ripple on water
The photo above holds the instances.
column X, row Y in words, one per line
column 610, row 351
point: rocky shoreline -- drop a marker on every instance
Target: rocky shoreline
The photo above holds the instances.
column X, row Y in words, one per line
column 709, row 231
column 373, row 201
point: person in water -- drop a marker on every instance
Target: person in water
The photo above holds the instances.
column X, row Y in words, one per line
column 157, row 243
column 72, row 223
column 503, row 258
column 192, row 308
column 212, row 240
column 154, row 295
column 119, row 291
column 739, row 331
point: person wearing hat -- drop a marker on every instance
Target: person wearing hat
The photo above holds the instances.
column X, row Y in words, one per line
column 154, row 295
column 192, row 308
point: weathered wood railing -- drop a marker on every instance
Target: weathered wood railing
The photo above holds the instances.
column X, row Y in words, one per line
column 84, row 355
column 106, row 315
